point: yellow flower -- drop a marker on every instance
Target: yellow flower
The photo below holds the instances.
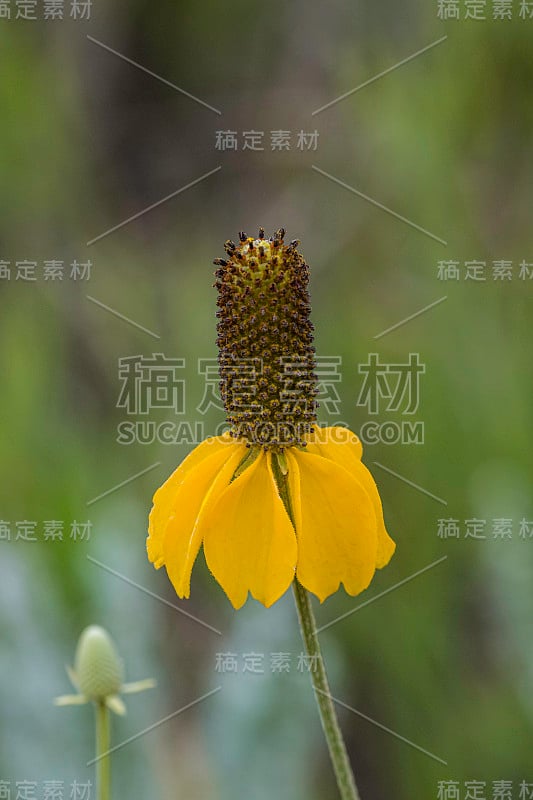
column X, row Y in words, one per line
column 277, row 497
column 249, row 541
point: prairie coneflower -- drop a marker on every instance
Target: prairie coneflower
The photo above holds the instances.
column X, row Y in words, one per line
column 276, row 497
column 98, row 675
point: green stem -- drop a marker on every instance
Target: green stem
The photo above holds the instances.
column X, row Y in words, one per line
column 326, row 708
column 103, row 742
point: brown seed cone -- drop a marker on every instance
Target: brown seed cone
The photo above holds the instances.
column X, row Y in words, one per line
column 265, row 341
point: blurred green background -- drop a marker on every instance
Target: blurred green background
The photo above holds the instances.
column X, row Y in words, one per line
column 88, row 140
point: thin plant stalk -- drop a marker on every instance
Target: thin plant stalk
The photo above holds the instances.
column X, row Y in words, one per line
column 328, row 715
column 103, row 758
column 326, row 709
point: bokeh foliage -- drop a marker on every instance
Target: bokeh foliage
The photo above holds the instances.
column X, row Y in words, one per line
column 86, row 141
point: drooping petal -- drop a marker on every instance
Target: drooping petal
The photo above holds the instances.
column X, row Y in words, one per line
column 163, row 501
column 200, row 486
column 249, row 540
column 386, row 546
column 335, row 526
column 344, row 447
column 325, row 441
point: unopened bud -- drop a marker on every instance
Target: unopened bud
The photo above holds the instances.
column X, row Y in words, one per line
column 98, row 667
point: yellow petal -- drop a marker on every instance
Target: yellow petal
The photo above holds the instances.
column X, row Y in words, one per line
column 163, row 501
column 344, row 447
column 335, row 526
column 386, row 546
column 322, row 440
column 249, row 540
column 200, row 486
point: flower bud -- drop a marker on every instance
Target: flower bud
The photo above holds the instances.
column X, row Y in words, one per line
column 98, row 667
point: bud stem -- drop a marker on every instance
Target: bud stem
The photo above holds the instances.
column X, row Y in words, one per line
column 103, row 759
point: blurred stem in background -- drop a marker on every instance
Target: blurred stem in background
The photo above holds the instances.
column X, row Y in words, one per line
column 103, row 758
column 328, row 716
column 98, row 675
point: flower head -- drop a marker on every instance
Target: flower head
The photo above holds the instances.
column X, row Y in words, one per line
column 265, row 341
column 276, row 497
column 98, row 673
